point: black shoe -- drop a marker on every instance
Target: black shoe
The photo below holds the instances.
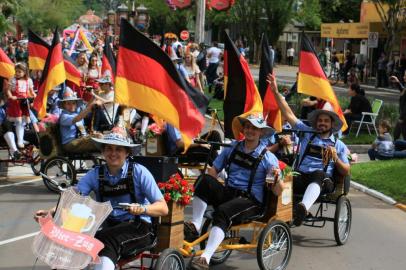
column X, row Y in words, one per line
column 300, row 214
column 190, row 232
column 199, row 263
column 16, row 155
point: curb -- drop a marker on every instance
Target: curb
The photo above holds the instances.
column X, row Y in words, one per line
column 378, row 195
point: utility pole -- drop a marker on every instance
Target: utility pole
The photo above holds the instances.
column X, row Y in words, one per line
column 200, row 18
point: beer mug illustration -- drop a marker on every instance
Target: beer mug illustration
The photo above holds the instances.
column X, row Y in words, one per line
column 77, row 218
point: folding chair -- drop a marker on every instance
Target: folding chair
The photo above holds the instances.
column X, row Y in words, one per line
column 376, row 107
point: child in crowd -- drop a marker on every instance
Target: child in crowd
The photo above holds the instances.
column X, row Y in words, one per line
column 383, row 147
column 19, row 89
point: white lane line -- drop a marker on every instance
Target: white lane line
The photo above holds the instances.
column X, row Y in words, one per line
column 21, row 183
column 7, row 241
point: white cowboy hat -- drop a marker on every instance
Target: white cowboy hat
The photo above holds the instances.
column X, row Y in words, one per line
column 117, row 136
column 69, row 95
column 336, row 121
column 258, row 121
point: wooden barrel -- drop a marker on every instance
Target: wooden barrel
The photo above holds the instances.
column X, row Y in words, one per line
column 170, row 231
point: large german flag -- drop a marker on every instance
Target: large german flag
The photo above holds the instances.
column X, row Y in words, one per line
column 72, row 72
column 241, row 96
column 313, row 81
column 53, row 75
column 271, row 109
column 108, row 60
column 148, row 80
column 6, row 66
column 37, row 51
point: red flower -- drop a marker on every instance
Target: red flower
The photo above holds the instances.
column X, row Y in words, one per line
column 185, row 199
column 167, row 197
column 184, row 183
column 282, row 165
column 172, row 181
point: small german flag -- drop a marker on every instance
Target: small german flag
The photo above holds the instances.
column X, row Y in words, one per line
column 313, row 81
column 108, row 60
column 241, row 94
column 37, row 51
column 72, row 72
column 6, row 65
column 52, row 76
column 148, row 80
column 271, row 109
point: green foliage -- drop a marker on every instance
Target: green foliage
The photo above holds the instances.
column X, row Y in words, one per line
column 45, row 15
column 335, row 10
column 385, row 176
column 309, row 14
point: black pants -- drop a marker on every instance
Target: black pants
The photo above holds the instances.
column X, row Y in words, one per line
column 400, row 129
column 230, row 208
column 123, row 238
column 211, row 73
column 300, row 182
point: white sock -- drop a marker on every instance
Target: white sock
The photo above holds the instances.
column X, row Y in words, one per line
column 20, row 133
column 311, row 194
column 144, row 124
column 199, row 207
column 215, row 238
column 105, row 264
column 10, row 139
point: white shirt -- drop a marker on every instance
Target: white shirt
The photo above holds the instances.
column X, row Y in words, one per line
column 291, row 52
column 214, row 54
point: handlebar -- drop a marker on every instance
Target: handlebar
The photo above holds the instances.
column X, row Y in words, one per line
column 299, row 131
column 212, row 143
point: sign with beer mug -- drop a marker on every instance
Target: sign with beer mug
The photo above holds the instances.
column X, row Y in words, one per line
column 67, row 240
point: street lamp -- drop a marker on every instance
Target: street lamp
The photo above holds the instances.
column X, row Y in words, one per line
column 143, row 18
column 122, row 12
column 111, row 20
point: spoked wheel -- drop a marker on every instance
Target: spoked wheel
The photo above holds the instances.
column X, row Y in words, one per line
column 218, row 257
column 342, row 220
column 274, row 246
column 37, row 163
column 61, row 171
column 334, row 77
column 170, row 259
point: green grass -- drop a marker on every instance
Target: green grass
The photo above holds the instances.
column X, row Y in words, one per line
column 363, row 138
column 387, row 177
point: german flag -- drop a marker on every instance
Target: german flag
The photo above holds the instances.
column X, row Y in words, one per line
column 72, row 72
column 271, row 108
column 108, row 60
column 241, row 94
column 53, row 75
column 37, row 51
column 6, row 66
column 148, row 80
column 313, row 81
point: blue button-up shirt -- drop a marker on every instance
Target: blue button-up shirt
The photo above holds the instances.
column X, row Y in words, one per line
column 52, row 103
column 146, row 190
column 173, row 135
column 310, row 164
column 239, row 177
column 68, row 129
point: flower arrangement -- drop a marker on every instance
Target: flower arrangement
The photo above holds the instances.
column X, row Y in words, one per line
column 286, row 170
column 153, row 130
column 177, row 189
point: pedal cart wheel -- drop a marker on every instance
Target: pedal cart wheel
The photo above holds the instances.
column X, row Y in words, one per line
column 342, row 220
column 170, row 259
column 61, row 171
column 37, row 162
column 218, row 257
column 274, row 246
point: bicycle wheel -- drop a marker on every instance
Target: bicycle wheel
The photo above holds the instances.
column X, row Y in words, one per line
column 218, row 257
column 170, row 259
column 333, row 77
column 274, row 246
column 61, row 171
column 342, row 220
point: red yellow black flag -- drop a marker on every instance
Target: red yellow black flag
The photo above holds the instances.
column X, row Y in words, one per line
column 6, row 65
column 108, row 60
column 148, row 80
column 272, row 113
column 241, row 96
column 313, row 81
column 72, row 72
column 37, row 51
column 53, row 75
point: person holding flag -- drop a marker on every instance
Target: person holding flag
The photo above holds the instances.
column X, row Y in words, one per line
column 320, row 153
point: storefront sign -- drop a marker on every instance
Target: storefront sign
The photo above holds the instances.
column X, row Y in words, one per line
column 373, row 38
column 344, row 30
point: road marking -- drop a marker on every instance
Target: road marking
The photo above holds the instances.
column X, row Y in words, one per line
column 21, row 183
column 4, row 242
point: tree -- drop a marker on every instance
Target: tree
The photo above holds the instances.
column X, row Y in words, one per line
column 340, row 10
column 309, row 14
column 279, row 13
column 8, row 8
column 393, row 19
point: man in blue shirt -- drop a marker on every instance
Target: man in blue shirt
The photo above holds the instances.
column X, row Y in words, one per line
column 320, row 153
column 247, row 163
column 122, row 181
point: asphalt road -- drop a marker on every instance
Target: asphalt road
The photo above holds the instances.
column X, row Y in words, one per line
column 377, row 239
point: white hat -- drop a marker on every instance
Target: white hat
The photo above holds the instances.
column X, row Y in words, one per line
column 327, row 109
column 69, row 95
column 258, row 121
column 117, row 136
